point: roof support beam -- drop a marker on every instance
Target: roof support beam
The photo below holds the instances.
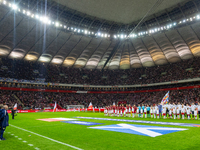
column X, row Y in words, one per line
column 112, row 53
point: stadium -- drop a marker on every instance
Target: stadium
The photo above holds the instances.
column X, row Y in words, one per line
column 99, row 74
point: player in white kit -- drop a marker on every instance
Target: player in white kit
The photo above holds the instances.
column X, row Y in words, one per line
column 178, row 113
column 188, row 113
column 151, row 111
column 170, row 113
column 133, row 111
column 174, row 112
column 164, row 112
column 141, row 112
column 138, row 112
column 145, row 112
column 183, row 111
column 157, row 112
column 154, row 112
column 105, row 111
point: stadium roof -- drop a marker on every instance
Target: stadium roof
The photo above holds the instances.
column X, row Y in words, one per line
column 122, row 11
column 32, row 30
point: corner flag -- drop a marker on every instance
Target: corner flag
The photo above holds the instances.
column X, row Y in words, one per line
column 55, row 107
column 165, row 99
column 15, row 106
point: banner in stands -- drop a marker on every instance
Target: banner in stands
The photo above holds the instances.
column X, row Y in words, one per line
column 97, row 92
column 58, row 110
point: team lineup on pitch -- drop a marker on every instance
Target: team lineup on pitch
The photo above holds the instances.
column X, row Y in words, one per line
column 66, row 129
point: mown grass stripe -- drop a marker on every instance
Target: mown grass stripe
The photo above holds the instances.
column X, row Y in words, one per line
column 47, row 138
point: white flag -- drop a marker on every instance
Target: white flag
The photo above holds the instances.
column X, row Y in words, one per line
column 15, row 107
column 55, row 107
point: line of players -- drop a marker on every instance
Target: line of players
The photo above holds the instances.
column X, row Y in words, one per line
column 171, row 111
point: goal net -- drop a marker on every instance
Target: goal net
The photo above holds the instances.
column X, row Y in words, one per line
column 75, row 107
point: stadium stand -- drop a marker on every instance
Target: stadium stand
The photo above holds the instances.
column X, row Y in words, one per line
column 32, row 100
column 20, row 69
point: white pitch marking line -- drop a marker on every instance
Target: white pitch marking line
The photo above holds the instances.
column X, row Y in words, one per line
column 16, row 136
column 12, row 134
column 30, row 144
column 19, row 138
column 47, row 138
column 37, row 148
column 24, row 141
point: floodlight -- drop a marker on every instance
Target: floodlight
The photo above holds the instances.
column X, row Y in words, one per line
column 57, row 24
column 37, row 16
column 28, row 13
column 14, row 7
column 44, row 19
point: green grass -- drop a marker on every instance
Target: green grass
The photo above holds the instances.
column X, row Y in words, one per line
column 92, row 139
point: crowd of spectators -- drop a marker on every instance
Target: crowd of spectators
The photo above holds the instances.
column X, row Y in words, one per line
column 20, row 69
column 34, row 100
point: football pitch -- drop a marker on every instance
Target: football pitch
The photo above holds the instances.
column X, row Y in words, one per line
column 74, row 130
